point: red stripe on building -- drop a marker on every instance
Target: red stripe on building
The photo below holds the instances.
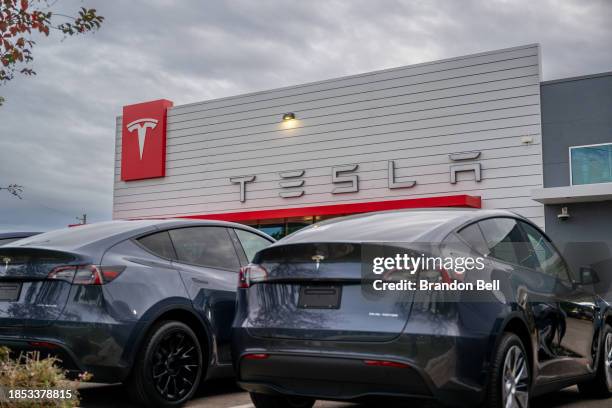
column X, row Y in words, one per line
column 353, row 208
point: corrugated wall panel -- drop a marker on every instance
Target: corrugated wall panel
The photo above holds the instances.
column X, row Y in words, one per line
column 370, row 77
column 426, row 174
column 415, row 115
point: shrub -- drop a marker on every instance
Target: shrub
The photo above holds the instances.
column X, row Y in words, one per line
column 29, row 372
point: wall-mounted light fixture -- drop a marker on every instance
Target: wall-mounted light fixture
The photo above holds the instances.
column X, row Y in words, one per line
column 288, row 116
column 564, row 215
column 527, row 139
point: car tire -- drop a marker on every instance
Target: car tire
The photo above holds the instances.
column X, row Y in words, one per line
column 601, row 385
column 168, row 369
column 280, row 401
column 510, row 375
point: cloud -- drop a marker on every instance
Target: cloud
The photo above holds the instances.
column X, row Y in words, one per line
column 57, row 129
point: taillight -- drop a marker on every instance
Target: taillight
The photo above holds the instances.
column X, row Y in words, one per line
column 86, row 274
column 446, row 276
column 43, row 344
column 252, row 273
column 65, row 273
column 449, row 275
column 385, row 363
column 243, row 280
column 256, row 356
column 441, row 275
column 109, row 273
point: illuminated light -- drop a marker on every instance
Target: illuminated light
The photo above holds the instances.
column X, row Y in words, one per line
column 257, row 356
column 43, row 344
column 383, row 363
column 289, row 124
column 289, row 121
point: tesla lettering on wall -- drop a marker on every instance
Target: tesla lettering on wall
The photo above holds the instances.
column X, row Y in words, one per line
column 292, row 183
column 143, row 140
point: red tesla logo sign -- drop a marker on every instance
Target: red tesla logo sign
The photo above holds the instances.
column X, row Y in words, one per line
column 143, row 140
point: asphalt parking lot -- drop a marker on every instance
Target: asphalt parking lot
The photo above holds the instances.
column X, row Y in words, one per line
column 225, row 394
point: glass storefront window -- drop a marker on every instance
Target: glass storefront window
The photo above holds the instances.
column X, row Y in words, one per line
column 294, row 224
column 591, row 164
column 279, row 227
column 274, row 228
column 319, row 218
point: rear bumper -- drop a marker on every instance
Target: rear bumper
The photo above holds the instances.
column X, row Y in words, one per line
column 450, row 369
column 19, row 345
column 330, row 377
column 80, row 347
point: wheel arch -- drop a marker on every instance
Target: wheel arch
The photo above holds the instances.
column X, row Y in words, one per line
column 516, row 324
column 181, row 312
column 196, row 324
column 608, row 317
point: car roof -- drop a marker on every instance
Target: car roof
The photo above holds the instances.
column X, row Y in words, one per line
column 96, row 238
column 424, row 225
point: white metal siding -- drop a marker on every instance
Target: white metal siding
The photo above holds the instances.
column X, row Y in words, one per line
column 416, row 115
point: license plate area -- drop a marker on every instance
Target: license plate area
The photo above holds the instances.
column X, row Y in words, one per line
column 9, row 291
column 320, row 297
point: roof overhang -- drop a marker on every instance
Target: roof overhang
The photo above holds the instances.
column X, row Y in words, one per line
column 583, row 193
column 465, row 201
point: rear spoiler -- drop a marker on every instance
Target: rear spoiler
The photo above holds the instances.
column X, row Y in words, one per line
column 34, row 263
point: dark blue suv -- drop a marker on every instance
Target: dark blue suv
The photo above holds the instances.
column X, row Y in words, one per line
column 145, row 302
column 310, row 323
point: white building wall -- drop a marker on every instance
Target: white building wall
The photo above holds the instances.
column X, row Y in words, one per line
column 415, row 115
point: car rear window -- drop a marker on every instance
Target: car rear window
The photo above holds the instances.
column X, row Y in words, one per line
column 332, row 252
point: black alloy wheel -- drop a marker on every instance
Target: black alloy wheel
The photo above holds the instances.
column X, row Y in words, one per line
column 169, row 366
column 176, row 364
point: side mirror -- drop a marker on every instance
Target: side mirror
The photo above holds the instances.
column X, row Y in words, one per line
column 588, row 276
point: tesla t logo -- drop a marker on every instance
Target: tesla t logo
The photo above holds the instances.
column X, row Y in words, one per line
column 141, row 126
column 318, row 259
column 143, row 140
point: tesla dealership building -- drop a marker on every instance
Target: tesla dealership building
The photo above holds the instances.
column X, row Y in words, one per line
column 465, row 131
column 458, row 132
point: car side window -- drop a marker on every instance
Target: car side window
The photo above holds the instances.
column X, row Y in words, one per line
column 503, row 237
column 542, row 256
column 473, row 236
column 251, row 243
column 205, row 246
column 160, row 244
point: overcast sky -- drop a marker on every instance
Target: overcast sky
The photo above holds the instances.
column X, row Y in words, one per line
column 57, row 129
